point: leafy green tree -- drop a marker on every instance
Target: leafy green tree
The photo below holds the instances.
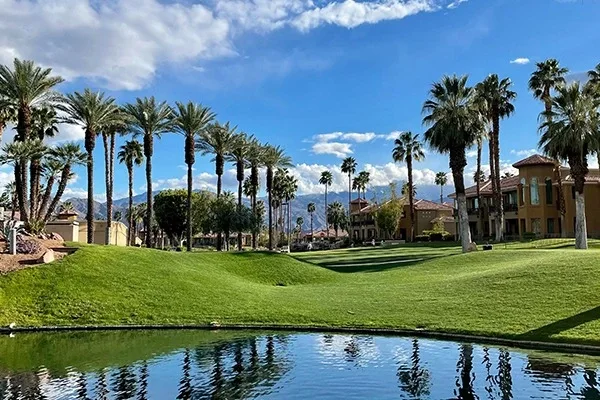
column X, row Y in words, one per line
column 389, row 215
column 201, row 211
column 93, row 111
column 498, row 98
column 570, row 132
column 453, row 121
column 547, row 77
column 441, row 179
column 274, row 157
column 326, row 180
column 191, row 120
column 349, row 167
column 170, row 211
column 148, row 118
column 223, row 215
column 407, row 149
column 131, row 154
column 336, row 215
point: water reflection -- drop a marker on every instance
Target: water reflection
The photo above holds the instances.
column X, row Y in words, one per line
column 240, row 365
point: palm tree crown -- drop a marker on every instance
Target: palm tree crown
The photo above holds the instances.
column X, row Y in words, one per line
column 131, row 153
column 548, row 75
column 191, row 120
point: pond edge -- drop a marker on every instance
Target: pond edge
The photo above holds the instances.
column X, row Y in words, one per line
column 517, row 343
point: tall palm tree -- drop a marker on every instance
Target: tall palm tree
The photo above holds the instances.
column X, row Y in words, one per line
column 217, row 139
column 148, row 118
column 274, row 158
column 68, row 155
column 326, row 179
column 255, row 159
column 44, row 122
column 51, row 170
column 570, row 132
column 337, row 215
column 441, row 179
column 453, row 122
column 364, row 178
column 237, row 154
column 498, row 98
column 93, row 111
column 311, row 208
column 24, row 87
column 407, row 149
column 349, row 167
column 191, row 120
column 548, row 76
column 479, row 179
column 131, row 154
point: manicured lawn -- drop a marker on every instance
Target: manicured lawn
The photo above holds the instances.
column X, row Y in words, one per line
column 537, row 294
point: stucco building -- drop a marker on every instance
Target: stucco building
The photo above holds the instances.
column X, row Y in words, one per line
column 531, row 203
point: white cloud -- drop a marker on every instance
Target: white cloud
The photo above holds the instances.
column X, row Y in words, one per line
column 471, row 153
column 360, row 137
column 392, row 135
column 326, row 137
column 523, row 153
column 337, row 149
column 120, row 44
column 456, row 3
column 520, row 61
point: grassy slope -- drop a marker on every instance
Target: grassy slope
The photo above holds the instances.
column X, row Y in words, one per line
column 537, row 294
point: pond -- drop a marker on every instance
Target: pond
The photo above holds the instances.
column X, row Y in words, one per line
column 277, row 365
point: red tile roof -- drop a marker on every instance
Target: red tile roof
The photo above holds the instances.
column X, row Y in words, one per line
column 426, row 205
column 535, row 159
column 506, row 184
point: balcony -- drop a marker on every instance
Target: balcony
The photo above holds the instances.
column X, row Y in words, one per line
column 511, row 207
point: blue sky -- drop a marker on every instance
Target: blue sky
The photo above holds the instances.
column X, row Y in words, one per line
column 288, row 71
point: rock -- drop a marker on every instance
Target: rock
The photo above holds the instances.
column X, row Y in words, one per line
column 47, row 257
column 57, row 237
column 473, row 246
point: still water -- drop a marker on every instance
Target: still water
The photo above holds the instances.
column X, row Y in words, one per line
column 237, row 365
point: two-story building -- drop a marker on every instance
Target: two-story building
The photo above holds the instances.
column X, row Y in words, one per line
column 531, row 203
column 363, row 224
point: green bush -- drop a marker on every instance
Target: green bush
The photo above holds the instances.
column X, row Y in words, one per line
column 422, row 238
column 529, row 236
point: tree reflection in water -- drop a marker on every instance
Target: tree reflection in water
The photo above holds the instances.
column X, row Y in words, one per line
column 591, row 391
column 490, row 380
column 124, row 383
column 466, row 376
column 185, row 384
column 414, row 380
column 504, row 375
column 143, row 392
column 101, row 387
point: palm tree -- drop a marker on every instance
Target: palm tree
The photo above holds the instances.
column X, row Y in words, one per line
column 24, row 87
column 548, row 76
column 68, row 155
column 407, row 149
column 498, row 98
column 349, row 167
column 364, row 178
column 131, row 154
column 237, row 154
column 337, row 216
column 311, row 208
column 148, row 118
column 327, row 180
column 217, row 139
column 441, row 179
column 570, row 132
column 51, row 170
column 10, row 192
column 118, row 216
column 44, row 121
column 67, row 208
column 191, row 121
column 93, row 111
column 255, row 159
column 274, row 158
column 453, row 122
column 299, row 223
column 479, row 178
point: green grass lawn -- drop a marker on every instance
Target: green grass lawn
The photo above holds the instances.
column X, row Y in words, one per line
column 541, row 294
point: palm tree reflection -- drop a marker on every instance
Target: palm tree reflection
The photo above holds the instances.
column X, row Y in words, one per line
column 414, row 380
column 466, row 376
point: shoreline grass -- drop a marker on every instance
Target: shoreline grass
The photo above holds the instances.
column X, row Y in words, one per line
column 530, row 294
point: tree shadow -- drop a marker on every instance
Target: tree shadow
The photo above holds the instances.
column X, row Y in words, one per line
column 562, row 325
column 376, row 265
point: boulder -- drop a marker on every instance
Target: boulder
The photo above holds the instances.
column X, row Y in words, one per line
column 57, row 237
column 47, row 257
column 473, row 246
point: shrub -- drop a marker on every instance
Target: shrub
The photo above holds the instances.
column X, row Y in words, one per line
column 422, row 238
column 448, row 237
column 529, row 236
column 28, row 247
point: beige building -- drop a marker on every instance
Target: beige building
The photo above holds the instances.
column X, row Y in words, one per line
column 427, row 213
column 118, row 233
column 531, row 204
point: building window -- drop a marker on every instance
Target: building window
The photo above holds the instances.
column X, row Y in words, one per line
column 536, row 226
column 549, row 199
column 535, row 193
column 550, row 225
column 523, row 191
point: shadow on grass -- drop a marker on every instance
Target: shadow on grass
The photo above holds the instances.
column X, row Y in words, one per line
column 546, row 331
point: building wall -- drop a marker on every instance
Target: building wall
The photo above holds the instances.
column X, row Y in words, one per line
column 118, row 233
column 68, row 230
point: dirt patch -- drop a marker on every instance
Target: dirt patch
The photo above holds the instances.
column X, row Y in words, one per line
column 10, row 263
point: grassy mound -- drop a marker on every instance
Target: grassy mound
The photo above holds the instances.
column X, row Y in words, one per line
column 534, row 294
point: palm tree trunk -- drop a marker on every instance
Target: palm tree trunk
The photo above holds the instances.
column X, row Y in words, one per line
column 580, row 222
column 149, row 198
column 561, row 199
column 34, row 190
column 107, row 183
column 219, row 167
column 411, row 200
column 62, row 185
column 326, row 219
column 21, row 188
column 131, row 236
column 239, row 208
column 46, row 198
column 90, row 199
column 499, row 205
column 311, row 227
column 478, row 183
column 493, row 173
column 269, row 191
column 189, row 207
column 441, row 194
column 457, row 164
column 349, row 194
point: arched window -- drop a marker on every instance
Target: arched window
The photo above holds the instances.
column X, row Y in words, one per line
column 535, row 192
column 523, row 191
column 549, row 199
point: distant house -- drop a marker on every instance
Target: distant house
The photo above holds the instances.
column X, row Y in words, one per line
column 530, row 201
column 427, row 214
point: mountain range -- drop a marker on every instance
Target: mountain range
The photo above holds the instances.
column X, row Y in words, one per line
column 299, row 204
